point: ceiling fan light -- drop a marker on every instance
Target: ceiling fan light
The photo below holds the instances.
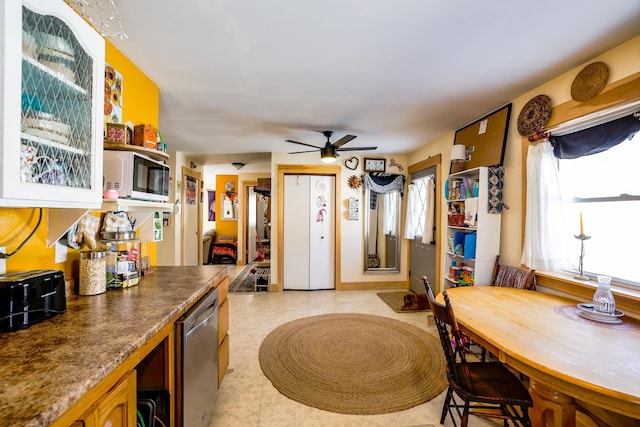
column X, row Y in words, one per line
column 328, row 154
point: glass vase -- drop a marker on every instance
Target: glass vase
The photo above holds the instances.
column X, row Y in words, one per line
column 603, row 300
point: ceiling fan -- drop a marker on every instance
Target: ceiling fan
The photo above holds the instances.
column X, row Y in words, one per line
column 329, row 152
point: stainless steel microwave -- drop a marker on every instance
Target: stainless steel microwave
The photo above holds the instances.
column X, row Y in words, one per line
column 136, row 176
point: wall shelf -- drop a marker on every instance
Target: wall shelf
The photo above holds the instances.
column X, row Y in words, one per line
column 150, row 152
column 486, row 228
column 60, row 220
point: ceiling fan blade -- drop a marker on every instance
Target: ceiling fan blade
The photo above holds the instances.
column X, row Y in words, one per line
column 343, row 140
column 356, row 148
column 306, row 151
column 302, row 143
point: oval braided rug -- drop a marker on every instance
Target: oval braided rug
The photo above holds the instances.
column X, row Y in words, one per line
column 354, row 363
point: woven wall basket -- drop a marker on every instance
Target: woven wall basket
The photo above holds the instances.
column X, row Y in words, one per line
column 590, row 81
column 534, row 116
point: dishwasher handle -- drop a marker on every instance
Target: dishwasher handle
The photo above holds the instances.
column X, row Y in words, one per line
column 202, row 324
column 200, row 314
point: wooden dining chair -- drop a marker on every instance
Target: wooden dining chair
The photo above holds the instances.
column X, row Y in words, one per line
column 513, row 277
column 487, row 389
column 471, row 347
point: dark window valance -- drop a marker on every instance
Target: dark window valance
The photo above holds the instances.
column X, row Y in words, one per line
column 595, row 139
column 384, row 182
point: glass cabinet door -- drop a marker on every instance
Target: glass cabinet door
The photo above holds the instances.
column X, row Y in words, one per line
column 60, row 61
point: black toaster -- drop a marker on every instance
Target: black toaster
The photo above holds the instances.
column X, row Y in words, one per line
column 30, row 297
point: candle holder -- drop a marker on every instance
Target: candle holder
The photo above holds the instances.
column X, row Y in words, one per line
column 582, row 237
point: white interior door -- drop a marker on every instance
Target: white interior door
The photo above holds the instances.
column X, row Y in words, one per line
column 191, row 217
column 322, row 232
column 309, row 232
column 296, row 232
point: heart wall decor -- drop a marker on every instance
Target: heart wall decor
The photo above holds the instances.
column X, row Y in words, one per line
column 352, row 163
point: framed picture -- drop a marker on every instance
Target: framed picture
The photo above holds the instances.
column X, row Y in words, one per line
column 112, row 95
column 375, row 165
column 212, row 205
column 191, row 191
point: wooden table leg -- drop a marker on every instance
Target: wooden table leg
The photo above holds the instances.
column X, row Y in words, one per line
column 551, row 408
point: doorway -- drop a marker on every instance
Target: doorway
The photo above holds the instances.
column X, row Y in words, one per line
column 257, row 223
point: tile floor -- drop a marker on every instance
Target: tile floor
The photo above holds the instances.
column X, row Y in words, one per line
column 247, row 398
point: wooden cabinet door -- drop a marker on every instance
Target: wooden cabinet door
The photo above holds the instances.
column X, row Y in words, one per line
column 223, row 321
column 117, row 408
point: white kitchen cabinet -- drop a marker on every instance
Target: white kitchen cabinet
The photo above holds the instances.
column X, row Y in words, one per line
column 468, row 194
column 51, row 114
column 309, row 232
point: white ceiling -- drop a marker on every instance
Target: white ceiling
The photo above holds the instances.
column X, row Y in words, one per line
column 242, row 76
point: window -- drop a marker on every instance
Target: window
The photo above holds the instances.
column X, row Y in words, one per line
column 605, row 188
column 421, row 205
column 420, row 211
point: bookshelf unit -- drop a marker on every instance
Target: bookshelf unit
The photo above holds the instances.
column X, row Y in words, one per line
column 468, row 192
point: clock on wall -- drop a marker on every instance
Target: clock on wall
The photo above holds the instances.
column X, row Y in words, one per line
column 375, row 165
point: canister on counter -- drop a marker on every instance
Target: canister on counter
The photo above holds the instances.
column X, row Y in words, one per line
column 92, row 277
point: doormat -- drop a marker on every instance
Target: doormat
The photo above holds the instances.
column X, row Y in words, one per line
column 395, row 301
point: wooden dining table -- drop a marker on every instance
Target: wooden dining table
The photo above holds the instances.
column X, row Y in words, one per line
column 567, row 358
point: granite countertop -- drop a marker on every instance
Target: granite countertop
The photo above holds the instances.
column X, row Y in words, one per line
column 47, row 368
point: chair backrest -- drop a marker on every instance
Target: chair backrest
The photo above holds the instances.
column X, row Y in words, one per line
column 513, row 277
column 425, row 281
column 450, row 338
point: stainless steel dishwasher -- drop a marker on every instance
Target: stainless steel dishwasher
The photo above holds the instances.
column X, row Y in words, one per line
column 197, row 362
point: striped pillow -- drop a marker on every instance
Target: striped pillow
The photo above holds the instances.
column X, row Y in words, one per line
column 513, row 277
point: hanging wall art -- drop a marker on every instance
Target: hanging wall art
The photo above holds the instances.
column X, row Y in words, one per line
column 352, row 163
column 354, row 182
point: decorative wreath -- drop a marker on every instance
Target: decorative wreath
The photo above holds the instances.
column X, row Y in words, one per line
column 354, row 182
column 351, row 163
column 590, row 81
column 534, row 115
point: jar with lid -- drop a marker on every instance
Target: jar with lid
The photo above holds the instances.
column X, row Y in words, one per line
column 92, row 277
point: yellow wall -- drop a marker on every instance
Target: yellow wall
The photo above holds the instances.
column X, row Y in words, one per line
column 225, row 227
column 141, row 104
column 140, row 96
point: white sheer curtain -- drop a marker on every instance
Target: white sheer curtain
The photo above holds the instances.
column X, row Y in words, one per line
column 390, row 219
column 429, row 218
column 543, row 245
column 411, row 220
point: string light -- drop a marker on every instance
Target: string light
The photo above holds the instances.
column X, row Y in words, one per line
column 108, row 16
